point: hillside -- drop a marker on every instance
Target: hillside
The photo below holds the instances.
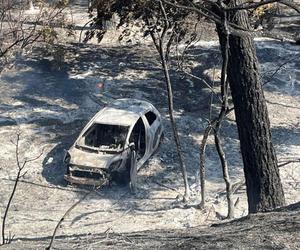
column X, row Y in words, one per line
column 274, row 230
column 50, row 103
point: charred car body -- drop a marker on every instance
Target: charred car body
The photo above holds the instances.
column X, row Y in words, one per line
column 115, row 143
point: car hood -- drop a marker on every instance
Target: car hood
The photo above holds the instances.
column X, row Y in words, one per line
column 86, row 158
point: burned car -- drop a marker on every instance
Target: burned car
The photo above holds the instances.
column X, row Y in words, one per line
column 115, row 143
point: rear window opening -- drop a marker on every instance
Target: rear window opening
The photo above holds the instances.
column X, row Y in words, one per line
column 151, row 117
column 105, row 136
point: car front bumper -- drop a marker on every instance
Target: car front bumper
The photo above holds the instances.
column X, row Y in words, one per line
column 84, row 181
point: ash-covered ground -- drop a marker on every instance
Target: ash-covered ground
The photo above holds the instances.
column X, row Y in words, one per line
column 50, row 106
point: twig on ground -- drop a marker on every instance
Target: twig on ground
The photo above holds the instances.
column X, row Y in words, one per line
column 165, row 186
column 69, row 211
column 288, row 162
column 270, row 78
column 239, row 184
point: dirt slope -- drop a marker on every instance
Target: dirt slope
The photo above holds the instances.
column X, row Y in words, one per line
column 50, row 107
column 274, row 230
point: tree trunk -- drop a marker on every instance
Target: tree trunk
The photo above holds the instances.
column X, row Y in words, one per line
column 31, row 7
column 264, row 189
column 173, row 122
column 106, row 20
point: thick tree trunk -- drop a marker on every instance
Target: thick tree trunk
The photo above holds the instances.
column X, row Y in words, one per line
column 264, row 189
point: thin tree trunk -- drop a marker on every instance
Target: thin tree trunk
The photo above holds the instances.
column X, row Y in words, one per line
column 264, row 189
column 64, row 217
column 163, row 49
column 19, row 175
column 4, row 241
column 202, row 163
column 224, row 107
column 207, row 132
column 226, row 177
column 174, row 127
column 160, row 48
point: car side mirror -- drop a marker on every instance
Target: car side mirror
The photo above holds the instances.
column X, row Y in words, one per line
column 132, row 146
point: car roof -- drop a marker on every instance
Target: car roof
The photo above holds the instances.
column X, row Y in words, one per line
column 124, row 112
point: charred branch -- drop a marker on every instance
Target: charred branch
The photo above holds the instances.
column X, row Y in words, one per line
column 282, row 164
column 247, row 6
column 211, row 126
column 224, row 93
column 20, row 174
column 163, row 52
column 69, row 211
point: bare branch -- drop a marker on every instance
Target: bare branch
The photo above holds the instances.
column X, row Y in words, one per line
column 202, row 164
column 239, row 184
column 200, row 79
column 36, row 157
column 197, row 10
column 17, row 150
column 69, row 211
column 200, row 9
column 288, row 162
column 19, row 33
column 224, row 92
column 152, row 34
column 212, row 124
column 277, row 70
column 163, row 55
column 20, row 174
column 246, row 6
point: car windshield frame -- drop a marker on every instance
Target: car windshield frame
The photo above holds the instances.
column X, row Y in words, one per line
column 122, row 137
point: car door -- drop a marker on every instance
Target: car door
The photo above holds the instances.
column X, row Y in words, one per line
column 139, row 136
column 154, row 130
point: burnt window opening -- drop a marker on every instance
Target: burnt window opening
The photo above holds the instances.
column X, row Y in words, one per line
column 104, row 136
column 138, row 137
column 151, row 117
